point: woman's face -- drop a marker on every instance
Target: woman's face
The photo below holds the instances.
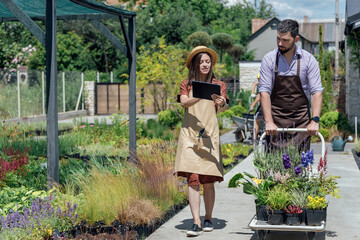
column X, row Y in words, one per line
column 205, row 64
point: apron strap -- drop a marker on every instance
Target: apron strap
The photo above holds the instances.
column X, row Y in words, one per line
column 298, row 65
column 276, row 63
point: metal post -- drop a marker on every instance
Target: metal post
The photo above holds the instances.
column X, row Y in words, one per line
column 132, row 90
column 111, row 77
column 42, row 90
column 337, row 39
column 356, row 129
column 63, row 82
column 18, row 93
column 97, row 77
column 80, row 93
column 82, row 87
column 51, row 96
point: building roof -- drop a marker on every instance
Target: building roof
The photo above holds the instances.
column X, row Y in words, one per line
column 310, row 31
column 271, row 23
column 65, row 9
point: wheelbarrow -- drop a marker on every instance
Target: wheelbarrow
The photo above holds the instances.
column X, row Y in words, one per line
column 245, row 126
column 262, row 227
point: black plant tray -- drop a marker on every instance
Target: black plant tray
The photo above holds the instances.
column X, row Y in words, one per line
column 116, row 227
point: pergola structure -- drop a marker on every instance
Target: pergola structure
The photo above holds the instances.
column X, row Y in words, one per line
column 28, row 11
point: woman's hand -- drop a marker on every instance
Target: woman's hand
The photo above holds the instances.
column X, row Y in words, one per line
column 220, row 100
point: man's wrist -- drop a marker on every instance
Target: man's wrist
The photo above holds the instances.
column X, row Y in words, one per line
column 315, row 119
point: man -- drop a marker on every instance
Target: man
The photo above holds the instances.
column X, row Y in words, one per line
column 289, row 77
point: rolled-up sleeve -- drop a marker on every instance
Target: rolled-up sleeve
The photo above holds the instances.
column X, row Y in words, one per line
column 266, row 74
column 314, row 77
column 184, row 89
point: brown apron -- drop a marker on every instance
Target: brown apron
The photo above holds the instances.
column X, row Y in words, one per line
column 289, row 108
column 199, row 155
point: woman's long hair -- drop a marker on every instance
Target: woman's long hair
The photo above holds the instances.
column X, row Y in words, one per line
column 194, row 70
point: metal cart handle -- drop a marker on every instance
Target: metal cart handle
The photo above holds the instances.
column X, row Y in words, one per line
column 296, row 130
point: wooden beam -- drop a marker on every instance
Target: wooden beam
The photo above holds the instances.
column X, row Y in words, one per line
column 51, row 97
column 132, row 90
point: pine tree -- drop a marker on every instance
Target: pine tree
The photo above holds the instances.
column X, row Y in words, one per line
column 329, row 78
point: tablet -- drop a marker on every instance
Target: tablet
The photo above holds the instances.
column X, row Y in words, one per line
column 204, row 90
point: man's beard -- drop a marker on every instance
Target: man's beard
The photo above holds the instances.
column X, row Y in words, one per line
column 286, row 49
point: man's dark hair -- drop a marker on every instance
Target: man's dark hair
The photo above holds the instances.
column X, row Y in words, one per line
column 289, row 25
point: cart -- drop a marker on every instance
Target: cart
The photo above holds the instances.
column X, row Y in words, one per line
column 245, row 127
column 262, row 227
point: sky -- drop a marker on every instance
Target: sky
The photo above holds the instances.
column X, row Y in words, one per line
column 297, row 9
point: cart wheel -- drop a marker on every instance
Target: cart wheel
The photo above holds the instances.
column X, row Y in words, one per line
column 311, row 235
column 261, row 234
column 239, row 136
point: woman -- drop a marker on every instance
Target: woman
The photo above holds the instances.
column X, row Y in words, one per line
column 198, row 156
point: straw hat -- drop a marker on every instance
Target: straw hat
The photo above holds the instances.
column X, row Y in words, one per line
column 201, row 49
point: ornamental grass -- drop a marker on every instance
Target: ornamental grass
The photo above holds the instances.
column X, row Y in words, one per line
column 106, row 195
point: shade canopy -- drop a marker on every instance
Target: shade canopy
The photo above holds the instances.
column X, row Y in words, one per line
column 65, row 10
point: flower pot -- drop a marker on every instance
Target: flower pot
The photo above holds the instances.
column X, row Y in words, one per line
column 275, row 217
column 315, row 217
column 261, row 213
column 292, row 219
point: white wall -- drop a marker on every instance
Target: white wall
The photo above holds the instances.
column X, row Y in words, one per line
column 248, row 73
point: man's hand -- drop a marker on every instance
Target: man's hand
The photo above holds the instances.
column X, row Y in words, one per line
column 313, row 128
column 271, row 128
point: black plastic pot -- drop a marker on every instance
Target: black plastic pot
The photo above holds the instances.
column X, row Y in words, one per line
column 292, row 219
column 315, row 217
column 261, row 213
column 275, row 217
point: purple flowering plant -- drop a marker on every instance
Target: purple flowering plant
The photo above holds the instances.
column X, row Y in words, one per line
column 39, row 220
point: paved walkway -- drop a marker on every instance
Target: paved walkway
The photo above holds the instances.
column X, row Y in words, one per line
column 234, row 209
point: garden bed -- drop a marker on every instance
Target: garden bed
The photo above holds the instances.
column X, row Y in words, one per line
column 356, row 157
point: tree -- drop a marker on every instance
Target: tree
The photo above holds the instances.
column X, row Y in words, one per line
column 329, row 78
column 324, row 107
column 160, row 65
column 198, row 39
column 72, row 54
column 222, row 41
column 235, row 52
column 265, row 10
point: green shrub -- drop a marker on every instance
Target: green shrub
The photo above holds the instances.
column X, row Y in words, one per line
column 168, row 117
column 238, row 110
column 325, row 133
column 228, row 113
column 335, row 118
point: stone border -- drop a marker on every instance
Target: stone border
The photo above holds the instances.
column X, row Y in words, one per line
column 356, row 157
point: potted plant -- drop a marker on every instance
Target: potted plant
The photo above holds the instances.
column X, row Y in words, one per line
column 277, row 199
column 292, row 215
column 316, row 211
column 257, row 187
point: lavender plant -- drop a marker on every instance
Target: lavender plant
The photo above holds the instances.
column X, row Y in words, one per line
column 38, row 221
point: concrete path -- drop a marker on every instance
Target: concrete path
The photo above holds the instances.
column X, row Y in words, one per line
column 234, row 209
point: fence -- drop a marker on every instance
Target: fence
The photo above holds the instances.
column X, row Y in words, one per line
column 23, row 94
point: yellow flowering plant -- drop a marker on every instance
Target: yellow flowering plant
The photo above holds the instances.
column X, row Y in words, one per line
column 316, row 202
